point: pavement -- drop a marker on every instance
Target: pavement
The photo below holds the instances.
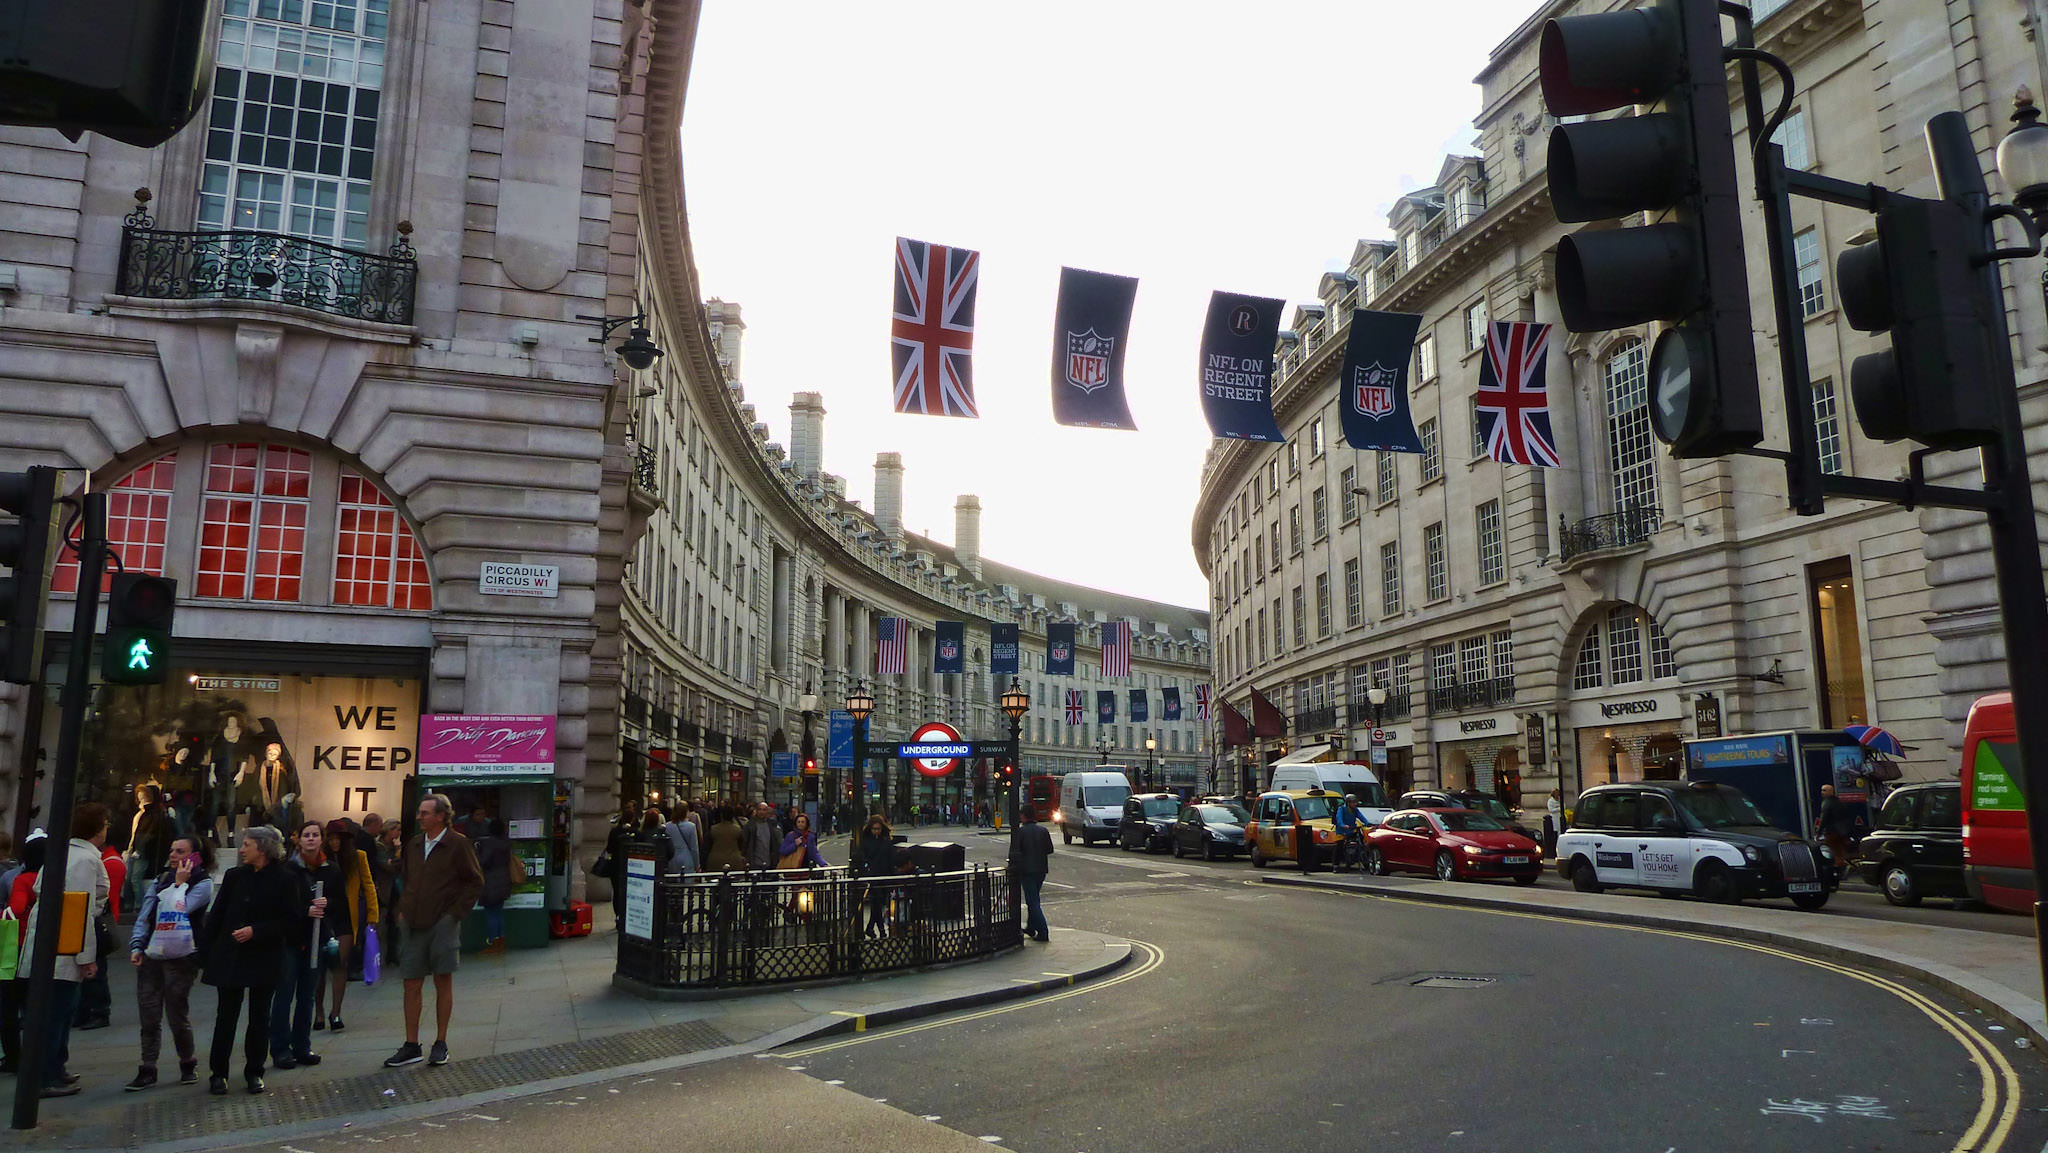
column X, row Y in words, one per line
column 1999, row 973
column 526, row 1021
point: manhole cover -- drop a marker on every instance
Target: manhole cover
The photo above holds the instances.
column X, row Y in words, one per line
column 1451, row 981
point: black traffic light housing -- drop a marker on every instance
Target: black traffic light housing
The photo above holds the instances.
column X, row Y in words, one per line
column 131, row 70
column 27, row 547
column 1920, row 282
column 137, row 649
column 1679, row 158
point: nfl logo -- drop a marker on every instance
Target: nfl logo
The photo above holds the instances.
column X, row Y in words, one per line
column 1372, row 392
column 1088, row 359
column 1060, row 652
column 949, row 650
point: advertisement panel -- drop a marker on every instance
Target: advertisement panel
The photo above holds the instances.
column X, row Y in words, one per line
column 457, row 748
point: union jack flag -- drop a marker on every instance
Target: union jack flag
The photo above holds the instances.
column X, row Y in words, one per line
column 1513, row 405
column 892, row 646
column 1201, row 702
column 932, row 328
column 1075, row 711
column 1116, row 649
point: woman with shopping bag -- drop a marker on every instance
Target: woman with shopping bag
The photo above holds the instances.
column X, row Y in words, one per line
column 163, row 947
column 800, row 847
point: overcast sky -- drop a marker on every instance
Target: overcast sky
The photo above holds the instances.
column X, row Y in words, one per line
column 1195, row 146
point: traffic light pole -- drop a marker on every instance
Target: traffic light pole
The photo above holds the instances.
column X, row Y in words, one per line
column 35, row 1032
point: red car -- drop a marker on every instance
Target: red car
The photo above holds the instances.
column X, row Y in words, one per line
column 1454, row 844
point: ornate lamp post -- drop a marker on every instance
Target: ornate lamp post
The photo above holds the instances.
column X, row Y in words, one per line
column 1377, row 694
column 1103, row 746
column 860, row 705
column 1016, row 702
column 1151, row 760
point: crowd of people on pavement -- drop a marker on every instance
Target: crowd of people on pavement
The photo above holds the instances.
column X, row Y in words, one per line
column 279, row 934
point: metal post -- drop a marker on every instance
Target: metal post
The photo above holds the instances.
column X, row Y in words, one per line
column 1016, row 773
column 2015, row 539
column 35, row 1030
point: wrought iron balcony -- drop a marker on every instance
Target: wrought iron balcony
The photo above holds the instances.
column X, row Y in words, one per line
column 1395, row 709
column 1633, row 524
column 645, row 474
column 267, row 266
column 1472, row 695
column 1316, row 720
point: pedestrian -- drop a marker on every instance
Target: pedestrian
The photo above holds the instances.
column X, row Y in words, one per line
column 871, row 855
column 242, row 949
column 393, row 842
column 1836, row 824
column 1030, row 859
column 762, row 837
column 801, row 839
column 95, row 996
column 725, row 844
column 614, row 857
column 494, row 861
column 84, row 872
column 163, row 947
column 306, row 952
column 360, row 908
column 442, row 883
column 20, row 893
column 382, row 861
column 683, row 842
column 1553, row 820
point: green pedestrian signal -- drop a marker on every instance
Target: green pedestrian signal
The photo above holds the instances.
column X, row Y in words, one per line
column 138, row 646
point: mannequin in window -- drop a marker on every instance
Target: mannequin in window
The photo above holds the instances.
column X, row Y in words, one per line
column 227, row 756
column 273, row 782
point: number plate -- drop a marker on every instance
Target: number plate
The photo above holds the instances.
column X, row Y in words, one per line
column 1514, row 860
column 1803, row 887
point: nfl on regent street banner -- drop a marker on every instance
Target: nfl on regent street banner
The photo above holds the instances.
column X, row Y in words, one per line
column 1237, row 366
column 1141, row 708
column 1373, row 401
column 1059, row 650
column 1169, row 703
column 1002, row 650
column 1089, row 336
column 1105, row 706
column 950, row 654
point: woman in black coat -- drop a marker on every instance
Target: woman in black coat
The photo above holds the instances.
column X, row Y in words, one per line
column 254, row 912
column 615, row 857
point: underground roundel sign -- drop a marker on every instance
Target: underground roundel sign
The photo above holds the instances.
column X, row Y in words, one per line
column 935, row 733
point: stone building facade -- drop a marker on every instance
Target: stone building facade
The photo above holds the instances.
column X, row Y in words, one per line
column 1540, row 628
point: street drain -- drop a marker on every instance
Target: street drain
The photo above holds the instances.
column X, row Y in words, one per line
column 1450, row 981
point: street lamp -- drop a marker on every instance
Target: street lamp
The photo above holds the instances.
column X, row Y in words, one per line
column 1377, row 694
column 860, row 705
column 1151, row 745
column 1015, row 703
column 2023, row 157
column 1103, row 746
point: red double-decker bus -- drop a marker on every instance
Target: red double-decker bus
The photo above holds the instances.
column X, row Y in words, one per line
column 1042, row 795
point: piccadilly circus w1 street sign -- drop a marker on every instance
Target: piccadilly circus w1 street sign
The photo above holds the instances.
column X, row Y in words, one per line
column 934, row 749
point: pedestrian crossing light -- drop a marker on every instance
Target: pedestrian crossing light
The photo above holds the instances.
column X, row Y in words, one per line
column 138, row 645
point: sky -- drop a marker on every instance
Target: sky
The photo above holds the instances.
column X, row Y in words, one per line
column 1196, row 146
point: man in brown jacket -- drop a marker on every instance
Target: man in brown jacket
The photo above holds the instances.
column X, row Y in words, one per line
column 440, row 884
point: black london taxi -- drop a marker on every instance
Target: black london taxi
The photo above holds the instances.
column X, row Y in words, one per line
column 1692, row 837
column 1916, row 850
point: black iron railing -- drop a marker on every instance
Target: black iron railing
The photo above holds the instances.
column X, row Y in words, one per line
column 1396, row 708
column 1316, row 720
column 1472, row 695
column 267, row 266
column 645, row 464
column 765, row 928
column 1632, row 525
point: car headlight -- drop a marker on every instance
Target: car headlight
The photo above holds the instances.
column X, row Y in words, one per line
column 1827, row 852
column 1750, row 854
column 1058, row 818
column 1475, row 850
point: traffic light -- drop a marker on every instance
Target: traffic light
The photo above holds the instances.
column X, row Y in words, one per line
column 1919, row 281
column 137, row 650
column 130, row 70
column 26, row 549
column 1677, row 163
column 810, row 766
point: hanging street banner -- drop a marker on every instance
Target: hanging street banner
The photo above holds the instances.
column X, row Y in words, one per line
column 1141, row 707
column 1091, row 331
column 1373, row 394
column 931, row 328
column 949, row 655
column 1237, row 366
column 1002, row 650
column 1059, row 649
column 1105, row 706
column 1169, row 704
column 1512, row 405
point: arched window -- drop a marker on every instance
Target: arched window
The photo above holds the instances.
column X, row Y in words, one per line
column 377, row 562
column 138, row 523
column 1631, row 453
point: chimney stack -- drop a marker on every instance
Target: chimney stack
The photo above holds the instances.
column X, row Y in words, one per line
column 807, row 433
column 889, row 495
column 967, row 535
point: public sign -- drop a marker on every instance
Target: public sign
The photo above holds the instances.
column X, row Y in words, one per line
column 782, row 766
column 519, row 580
column 640, row 896
column 1379, row 746
column 935, row 749
column 839, row 740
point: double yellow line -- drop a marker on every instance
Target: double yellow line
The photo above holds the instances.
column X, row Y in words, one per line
column 1150, row 957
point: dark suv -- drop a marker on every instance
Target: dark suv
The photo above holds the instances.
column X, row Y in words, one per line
column 1916, row 850
column 1148, row 822
column 1463, row 799
column 1702, row 838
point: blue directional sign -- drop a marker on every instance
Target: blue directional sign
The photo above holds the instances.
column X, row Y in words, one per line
column 936, row 749
column 782, row 766
column 839, row 741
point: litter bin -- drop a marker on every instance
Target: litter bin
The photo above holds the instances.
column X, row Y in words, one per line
column 944, row 900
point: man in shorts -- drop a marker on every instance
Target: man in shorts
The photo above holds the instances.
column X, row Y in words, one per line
column 440, row 884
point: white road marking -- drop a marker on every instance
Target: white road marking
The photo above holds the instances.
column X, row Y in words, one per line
column 1789, row 1052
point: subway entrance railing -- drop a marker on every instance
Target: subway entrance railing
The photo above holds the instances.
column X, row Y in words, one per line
column 740, row 929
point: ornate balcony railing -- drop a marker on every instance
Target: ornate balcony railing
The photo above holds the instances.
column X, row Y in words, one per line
column 644, row 470
column 1316, row 720
column 267, row 266
column 1633, row 524
column 1472, row 695
column 1395, row 709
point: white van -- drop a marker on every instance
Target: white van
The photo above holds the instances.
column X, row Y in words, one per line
column 1091, row 803
column 1338, row 777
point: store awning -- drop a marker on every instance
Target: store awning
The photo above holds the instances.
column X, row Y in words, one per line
column 1307, row 754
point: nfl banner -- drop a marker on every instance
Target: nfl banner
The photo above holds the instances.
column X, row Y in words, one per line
column 1237, row 366
column 1513, row 402
column 950, row 654
column 1090, row 333
column 1059, row 650
column 931, row 329
column 1105, row 706
column 1169, row 704
column 1141, row 707
column 1373, row 398
column 1002, row 650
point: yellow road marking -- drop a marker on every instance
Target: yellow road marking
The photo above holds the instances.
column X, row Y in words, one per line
column 860, row 1020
